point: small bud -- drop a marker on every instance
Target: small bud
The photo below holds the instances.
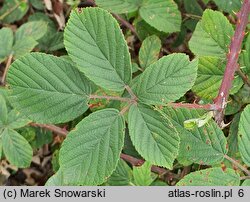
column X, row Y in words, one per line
column 190, row 124
column 199, row 122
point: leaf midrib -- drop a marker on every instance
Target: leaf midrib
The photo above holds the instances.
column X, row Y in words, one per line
column 51, row 91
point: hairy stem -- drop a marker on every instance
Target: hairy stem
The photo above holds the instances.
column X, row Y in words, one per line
column 125, row 23
column 6, row 68
column 120, row 19
column 123, row 111
column 59, row 131
column 130, row 159
column 234, row 162
column 131, row 93
column 232, row 61
column 186, row 170
column 209, row 107
column 138, row 162
column 110, row 98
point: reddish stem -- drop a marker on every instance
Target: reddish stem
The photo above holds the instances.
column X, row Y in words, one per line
column 132, row 160
column 138, row 162
column 125, row 109
column 131, row 93
column 209, row 107
column 232, row 61
column 53, row 128
column 125, row 23
column 120, row 19
column 234, row 162
column 106, row 97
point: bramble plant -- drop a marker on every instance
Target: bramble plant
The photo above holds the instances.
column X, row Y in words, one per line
column 146, row 102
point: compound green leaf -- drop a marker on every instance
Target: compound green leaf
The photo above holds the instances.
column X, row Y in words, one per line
column 209, row 78
column 13, row 10
column 145, row 30
column 203, row 145
column 38, row 4
column 52, row 40
column 90, row 153
column 167, row 79
column 246, row 183
column 16, row 120
column 244, row 135
column 161, row 14
column 211, row 177
column 3, row 111
column 212, row 35
column 95, row 43
column 34, row 29
column 149, row 51
column 155, row 139
column 142, row 175
column 119, row 6
column 22, row 47
column 55, row 42
column 122, row 176
column 6, row 42
column 230, row 6
column 16, row 148
column 47, row 89
column 193, row 7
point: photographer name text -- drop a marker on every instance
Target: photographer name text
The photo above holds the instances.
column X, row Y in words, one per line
column 58, row 193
